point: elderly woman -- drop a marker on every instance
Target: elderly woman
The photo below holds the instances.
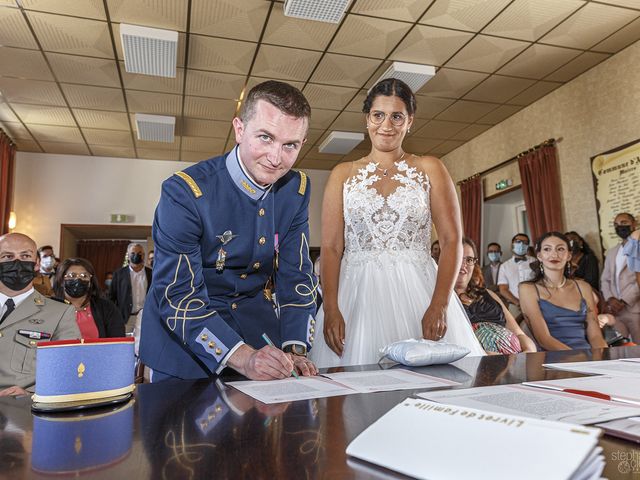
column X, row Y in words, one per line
column 494, row 326
column 96, row 316
column 560, row 311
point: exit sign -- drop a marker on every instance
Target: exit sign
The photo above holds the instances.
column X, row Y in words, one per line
column 121, row 218
column 502, row 184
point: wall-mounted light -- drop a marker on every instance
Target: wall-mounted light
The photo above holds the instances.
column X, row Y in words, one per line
column 12, row 220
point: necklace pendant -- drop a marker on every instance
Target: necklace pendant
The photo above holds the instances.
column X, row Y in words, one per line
column 384, row 172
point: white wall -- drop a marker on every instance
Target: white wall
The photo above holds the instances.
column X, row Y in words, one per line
column 54, row 189
column 500, row 222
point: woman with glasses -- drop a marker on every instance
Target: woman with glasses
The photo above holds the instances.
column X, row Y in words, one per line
column 560, row 311
column 493, row 324
column 379, row 281
column 96, row 316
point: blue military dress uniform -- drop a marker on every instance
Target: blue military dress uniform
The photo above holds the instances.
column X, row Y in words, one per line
column 204, row 302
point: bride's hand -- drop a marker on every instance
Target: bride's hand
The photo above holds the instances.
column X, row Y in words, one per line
column 334, row 331
column 434, row 323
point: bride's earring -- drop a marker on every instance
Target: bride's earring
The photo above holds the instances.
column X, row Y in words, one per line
column 408, row 130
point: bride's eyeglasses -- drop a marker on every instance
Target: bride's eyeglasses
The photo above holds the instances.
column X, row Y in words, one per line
column 470, row 260
column 377, row 117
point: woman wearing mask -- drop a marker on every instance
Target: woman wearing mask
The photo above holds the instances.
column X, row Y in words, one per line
column 96, row 316
column 584, row 263
column 559, row 310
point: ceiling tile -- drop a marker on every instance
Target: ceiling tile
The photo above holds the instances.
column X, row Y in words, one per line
column 355, row 154
column 50, row 133
column 469, row 15
column 589, row 26
column 85, row 8
column 321, row 118
column 16, row 90
column 404, row 10
column 218, row 85
column 17, row 62
column 28, row 146
column 498, row 89
column 196, row 127
column 312, row 164
column 85, row 70
column 313, row 135
column 350, row 121
column 285, row 63
column 577, row 66
column 530, row 19
column 101, row 119
column 39, row 114
column 534, row 93
column 95, row 98
column 325, row 96
column 430, row 45
column 623, row 3
column 186, row 156
column 466, row 111
column 110, row 151
column 439, row 129
column 155, row 154
column 182, row 40
column 452, row 83
column 297, row 32
column 314, row 154
column 229, row 18
column 344, row 70
column 357, row 103
column 78, row 36
column 538, row 61
column 116, row 138
column 170, row 146
column 487, row 54
column 17, row 131
column 6, row 115
column 220, row 55
column 166, row 14
column 203, row 144
column 253, row 81
column 498, row 115
column 209, row 108
column 65, row 148
column 154, row 103
column 429, row 107
column 471, row 131
column 368, row 37
column 14, row 30
column 447, row 146
column 419, row 146
column 621, row 39
column 152, row 83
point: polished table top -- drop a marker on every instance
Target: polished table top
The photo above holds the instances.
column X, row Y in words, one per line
column 203, row 429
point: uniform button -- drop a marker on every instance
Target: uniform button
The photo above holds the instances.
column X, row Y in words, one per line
column 256, row 265
column 234, row 306
column 261, row 212
column 313, row 322
column 218, row 408
column 212, row 344
column 218, row 351
column 204, row 337
column 0, row 334
column 310, row 338
column 311, row 330
column 32, row 342
column 243, row 276
column 262, row 241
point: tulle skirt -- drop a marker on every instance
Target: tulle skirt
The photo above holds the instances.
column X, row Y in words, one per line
column 383, row 296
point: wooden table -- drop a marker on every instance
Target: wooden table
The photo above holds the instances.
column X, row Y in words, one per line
column 193, row 430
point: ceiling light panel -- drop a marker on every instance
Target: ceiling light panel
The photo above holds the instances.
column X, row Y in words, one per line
column 155, row 128
column 149, row 51
column 330, row 11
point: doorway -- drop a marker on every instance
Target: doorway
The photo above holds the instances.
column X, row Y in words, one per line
column 504, row 215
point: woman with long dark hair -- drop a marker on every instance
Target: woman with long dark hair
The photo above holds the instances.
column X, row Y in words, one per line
column 559, row 310
column 76, row 284
column 584, row 263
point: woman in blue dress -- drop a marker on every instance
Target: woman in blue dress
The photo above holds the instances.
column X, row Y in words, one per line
column 560, row 311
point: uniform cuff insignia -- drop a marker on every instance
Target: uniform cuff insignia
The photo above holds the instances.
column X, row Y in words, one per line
column 212, row 344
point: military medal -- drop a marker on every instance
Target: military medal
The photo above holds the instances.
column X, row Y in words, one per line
column 225, row 238
column 222, row 255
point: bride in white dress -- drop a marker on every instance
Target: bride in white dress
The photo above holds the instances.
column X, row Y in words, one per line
column 379, row 282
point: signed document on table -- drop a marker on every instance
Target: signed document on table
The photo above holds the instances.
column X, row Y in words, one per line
column 628, row 367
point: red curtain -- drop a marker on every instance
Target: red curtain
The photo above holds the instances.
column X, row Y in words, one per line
column 472, row 201
column 7, row 163
column 541, row 190
column 104, row 255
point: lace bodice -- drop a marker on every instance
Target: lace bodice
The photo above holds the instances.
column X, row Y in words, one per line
column 398, row 221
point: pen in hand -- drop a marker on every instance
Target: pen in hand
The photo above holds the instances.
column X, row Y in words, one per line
column 266, row 338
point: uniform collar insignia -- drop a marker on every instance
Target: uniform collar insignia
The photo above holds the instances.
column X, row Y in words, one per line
column 241, row 179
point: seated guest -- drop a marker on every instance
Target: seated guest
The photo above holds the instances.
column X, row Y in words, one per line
column 96, row 316
column 435, row 250
column 491, row 270
column 492, row 322
column 26, row 316
column 47, row 262
column 42, row 284
column 515, row 270
column 584, row 263
column 560, row 312
column 108, row 278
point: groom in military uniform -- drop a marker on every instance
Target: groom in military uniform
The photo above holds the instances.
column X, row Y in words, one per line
column 232, row 269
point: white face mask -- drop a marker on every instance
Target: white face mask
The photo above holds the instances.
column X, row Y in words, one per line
column 47, row 262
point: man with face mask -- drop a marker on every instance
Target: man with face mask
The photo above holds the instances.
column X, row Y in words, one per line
column 514, row 271
column 491, row 270
column 44, row 279
column 619, row 284
column 26, row 317
column 130, row 284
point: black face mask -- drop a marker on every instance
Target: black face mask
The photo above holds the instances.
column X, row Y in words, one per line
column 623, row 231
column 76, row 288
column 135, row 258
column 18, row 274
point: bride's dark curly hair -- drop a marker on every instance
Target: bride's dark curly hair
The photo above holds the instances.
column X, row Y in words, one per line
column 475, row 287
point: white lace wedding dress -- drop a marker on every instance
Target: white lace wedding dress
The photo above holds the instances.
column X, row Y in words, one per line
column 387, row 275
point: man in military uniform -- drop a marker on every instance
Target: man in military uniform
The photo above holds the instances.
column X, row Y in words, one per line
column 231, row 253
column 26, row 316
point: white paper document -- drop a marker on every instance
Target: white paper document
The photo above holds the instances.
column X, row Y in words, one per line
column 637, row 360
column 535, row 403
column 621, row 368
column 387, row 380
column 291, row 389
column 627, row 428
column 618, row 389
column 434, row 441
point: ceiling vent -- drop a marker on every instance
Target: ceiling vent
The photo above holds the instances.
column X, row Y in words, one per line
column 319, row 10
column 155, row 128
column 149, row 51
column 413, row 74
column 340, row 142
